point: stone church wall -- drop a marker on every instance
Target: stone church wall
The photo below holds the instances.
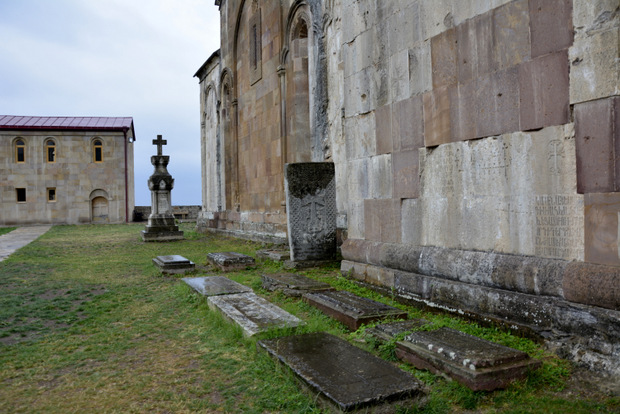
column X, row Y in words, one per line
column 75, row 178
column 474, row 143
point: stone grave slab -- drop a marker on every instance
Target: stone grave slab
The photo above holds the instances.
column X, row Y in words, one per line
column 253, row 313
column 310, row 189
column 174, row 264
column 474, row 362
column 352, row 310
column 387, row 331
column 345, row 377
column 230, row 261
column 292, row 284
column 216, row 285
column 275, row 255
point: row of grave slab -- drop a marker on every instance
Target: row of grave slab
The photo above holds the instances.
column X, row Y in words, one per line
column 346, row 378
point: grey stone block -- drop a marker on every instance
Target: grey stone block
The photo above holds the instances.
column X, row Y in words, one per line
column 344, row 377
column 253, row 313
column 230, row 261
column 352, row 310
column 173, row 264
column 292, row 284
column 476, row 363
column 216, row 285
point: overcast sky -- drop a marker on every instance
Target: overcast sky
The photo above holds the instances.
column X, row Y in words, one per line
column 114, row 58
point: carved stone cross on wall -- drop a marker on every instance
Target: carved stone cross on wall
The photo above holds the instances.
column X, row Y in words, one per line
column 159, row 142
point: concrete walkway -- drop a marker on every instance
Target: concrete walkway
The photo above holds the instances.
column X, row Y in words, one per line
column 18, row 238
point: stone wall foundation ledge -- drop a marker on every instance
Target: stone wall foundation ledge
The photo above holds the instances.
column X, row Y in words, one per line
column 578, row 282
column 588, row 335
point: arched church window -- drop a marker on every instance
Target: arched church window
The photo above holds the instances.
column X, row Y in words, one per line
column 50, row 150
column 20, row 150
column 97, row 150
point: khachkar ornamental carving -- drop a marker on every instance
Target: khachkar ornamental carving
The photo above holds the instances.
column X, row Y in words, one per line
column 161, row 225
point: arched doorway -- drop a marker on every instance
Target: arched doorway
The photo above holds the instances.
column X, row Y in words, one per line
column 99, row 207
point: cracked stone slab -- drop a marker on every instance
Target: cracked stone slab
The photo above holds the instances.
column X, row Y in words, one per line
column 343, row 376
column 292, row 284
column 173, row 264
column 252, row 313
column 216, row 285
column 474, row 362
column 230, row 261
column 352, row 310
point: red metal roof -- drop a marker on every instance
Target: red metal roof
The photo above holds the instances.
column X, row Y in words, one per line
column 65, row 122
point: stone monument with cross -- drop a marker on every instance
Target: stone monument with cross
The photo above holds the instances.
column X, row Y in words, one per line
column 161, row 225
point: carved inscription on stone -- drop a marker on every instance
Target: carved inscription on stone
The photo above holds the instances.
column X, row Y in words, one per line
column 311, row 210
column 559, row 226
column 515, row 193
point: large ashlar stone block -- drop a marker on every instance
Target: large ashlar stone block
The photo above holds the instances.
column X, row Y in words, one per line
column 357, row 179
column 551, row 26
column 597, row 135
column 360, row 139
column 382, row 220
column 589, row 16
column 420, row 68
column 355, row 219
column 602, row 213
column 511, row 34
column 437, row 120
column 361, row 53
column 360, row 92
column 595, row 67
column 408, row 124
column 475, row 48
column 399, row 76
column 544, row 91
column 405, row 165
column 360, row 17
column 443, row 58
column 515, row 193
column 379, row 177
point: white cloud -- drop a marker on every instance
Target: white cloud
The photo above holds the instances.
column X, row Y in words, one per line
column 114, row 58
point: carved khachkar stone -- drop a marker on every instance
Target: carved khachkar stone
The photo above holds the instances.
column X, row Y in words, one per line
column 161, row 225
column 311, row 210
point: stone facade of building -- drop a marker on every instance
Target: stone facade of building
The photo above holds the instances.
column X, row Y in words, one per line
column 475, row 145
column 66, row 170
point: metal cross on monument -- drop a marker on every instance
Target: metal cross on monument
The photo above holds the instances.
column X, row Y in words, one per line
column 159, row 142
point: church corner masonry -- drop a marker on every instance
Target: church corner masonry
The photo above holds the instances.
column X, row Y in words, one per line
column 473, row 147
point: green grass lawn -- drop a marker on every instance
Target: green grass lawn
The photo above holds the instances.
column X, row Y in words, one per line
column 87, row 324
column 5, row 230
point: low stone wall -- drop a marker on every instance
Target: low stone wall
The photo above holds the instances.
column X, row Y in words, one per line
column 141, row 213
column 574, row 306
column 255, row 226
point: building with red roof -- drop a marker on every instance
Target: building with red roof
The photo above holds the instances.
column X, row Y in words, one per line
column 66, row 170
